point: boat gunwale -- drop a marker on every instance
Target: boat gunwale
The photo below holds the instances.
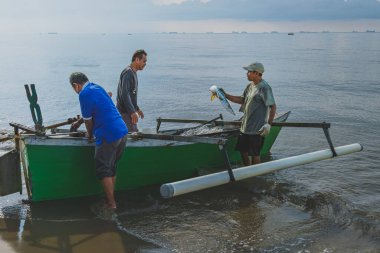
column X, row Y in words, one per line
column 63, row 139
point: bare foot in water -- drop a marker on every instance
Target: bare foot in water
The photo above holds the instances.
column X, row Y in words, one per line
column 111, row 206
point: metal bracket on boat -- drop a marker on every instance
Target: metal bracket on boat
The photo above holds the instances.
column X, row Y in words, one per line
column 158, row 124
column 202, row 122
column 327, row 134
column 325, row 126
column 227, row 161
column 34, row 106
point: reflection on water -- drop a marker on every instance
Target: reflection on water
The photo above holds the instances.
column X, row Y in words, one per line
column 66, row 226
column 256, row 215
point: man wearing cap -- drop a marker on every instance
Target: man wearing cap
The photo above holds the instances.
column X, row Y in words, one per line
column 259, row 109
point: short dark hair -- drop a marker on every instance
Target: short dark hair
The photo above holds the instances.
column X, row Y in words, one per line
column 139, row 54
column 78, row 77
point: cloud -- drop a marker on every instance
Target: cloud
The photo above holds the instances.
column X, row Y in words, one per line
column 268, row 10
column 171, row 2
column 216, row 15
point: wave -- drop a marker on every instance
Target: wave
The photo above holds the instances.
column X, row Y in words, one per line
column 328, row 206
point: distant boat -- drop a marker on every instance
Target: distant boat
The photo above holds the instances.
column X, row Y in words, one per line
column 173, row 32
column 129, row 33
column 243, row 32
column 273, row 32
column 370, row 30
column 354, row 31
column 290, row 33
column 235, row 32
column 52, row 33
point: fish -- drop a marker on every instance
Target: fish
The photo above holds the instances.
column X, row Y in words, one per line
column 217, row 92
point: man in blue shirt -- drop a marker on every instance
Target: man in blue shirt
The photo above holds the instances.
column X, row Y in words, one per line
column 103, row 120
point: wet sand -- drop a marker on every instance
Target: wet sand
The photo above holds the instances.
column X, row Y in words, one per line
column 233, row 218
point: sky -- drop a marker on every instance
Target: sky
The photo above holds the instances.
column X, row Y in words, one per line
column 192, row 16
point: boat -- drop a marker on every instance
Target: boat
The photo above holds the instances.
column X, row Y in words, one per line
column 59, row 166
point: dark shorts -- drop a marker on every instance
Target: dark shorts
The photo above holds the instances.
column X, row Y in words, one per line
column 106, row 157
column 250, row 144
column 128, row 122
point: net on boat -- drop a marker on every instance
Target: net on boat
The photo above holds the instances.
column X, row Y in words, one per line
column 202, row 130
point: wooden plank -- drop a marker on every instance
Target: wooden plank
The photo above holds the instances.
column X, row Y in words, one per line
column 7, row 138
column 194, row 139
column 302, row 124
column 67, row 122
column 238, row 123
column 173, row 120
column 22, row 127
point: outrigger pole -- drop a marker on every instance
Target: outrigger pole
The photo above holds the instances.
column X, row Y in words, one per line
column 199, row 183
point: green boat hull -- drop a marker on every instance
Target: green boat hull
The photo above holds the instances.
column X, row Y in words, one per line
column 60, row 168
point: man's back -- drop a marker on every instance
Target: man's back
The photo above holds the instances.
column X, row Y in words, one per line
column 97, row 104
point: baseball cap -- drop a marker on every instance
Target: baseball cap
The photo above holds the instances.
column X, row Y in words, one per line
column 256, row 66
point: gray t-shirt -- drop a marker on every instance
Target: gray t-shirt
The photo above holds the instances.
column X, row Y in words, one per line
column 257, row 98
column 126, row 100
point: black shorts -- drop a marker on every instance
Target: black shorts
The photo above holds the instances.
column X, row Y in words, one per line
column 106, row 157
column 250, row 144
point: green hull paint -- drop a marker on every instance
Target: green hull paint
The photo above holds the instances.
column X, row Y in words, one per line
column 58, row 172
column 64, row 168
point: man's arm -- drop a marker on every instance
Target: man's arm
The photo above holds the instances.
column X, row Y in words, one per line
column 235, row 99
column 89, row 127
column 75, row 125
column 272, row 113
column 127, row 81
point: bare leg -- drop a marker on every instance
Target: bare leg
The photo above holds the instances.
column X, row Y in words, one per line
column 245, row 158
column 256, row 159
column 108, row 187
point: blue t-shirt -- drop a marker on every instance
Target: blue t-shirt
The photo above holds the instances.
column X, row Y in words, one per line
column 96, row 104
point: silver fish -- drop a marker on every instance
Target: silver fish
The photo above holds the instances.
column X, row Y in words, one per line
column 217, row 92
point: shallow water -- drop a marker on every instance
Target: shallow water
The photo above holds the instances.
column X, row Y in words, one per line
column 328, row 206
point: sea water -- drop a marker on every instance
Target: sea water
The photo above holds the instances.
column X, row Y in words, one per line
column 328, row 206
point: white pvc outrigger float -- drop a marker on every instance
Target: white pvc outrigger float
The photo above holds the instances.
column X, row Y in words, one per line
column 199, row 183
